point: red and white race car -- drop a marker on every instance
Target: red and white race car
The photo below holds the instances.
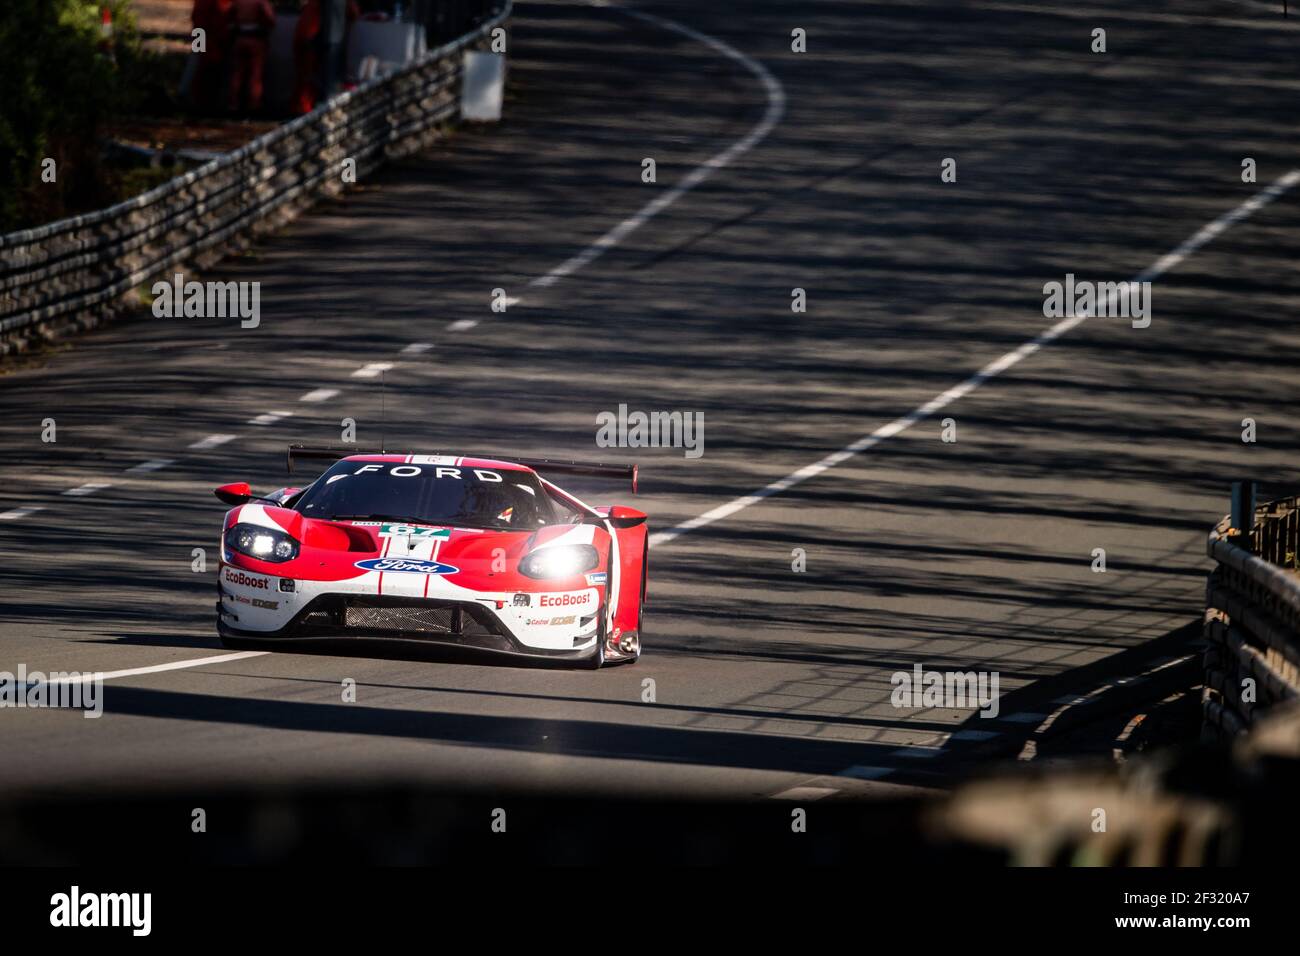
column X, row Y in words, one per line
column 477, row 552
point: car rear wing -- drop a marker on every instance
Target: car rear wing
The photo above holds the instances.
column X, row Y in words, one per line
column 327, row 452
column 591, row 469
column 552, row 466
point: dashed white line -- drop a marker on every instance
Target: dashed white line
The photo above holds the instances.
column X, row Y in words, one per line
column 771, row 116
column 154, row 464
column 462, row 325
column 159, row 668
column 15, row 514
column 89, row 488
column 269, row 418
column 372, row 369
column 415, row 348
column 989, row 371
column 319, row 395
column 212, row 441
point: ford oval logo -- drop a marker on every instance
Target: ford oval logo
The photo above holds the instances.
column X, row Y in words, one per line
column 406, row 566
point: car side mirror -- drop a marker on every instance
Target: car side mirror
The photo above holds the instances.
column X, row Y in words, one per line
column 234, row 494
column 621, row 516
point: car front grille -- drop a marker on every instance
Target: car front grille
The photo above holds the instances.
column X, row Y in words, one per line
column 439, row 620
column 341, row 615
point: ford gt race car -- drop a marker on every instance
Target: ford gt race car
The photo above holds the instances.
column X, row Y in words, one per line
column 476, row 552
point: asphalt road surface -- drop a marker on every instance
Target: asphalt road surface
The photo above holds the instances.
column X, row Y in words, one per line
column 776, row 170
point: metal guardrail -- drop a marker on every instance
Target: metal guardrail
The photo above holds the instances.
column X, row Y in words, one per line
column 80, row 266
column 1252, row 619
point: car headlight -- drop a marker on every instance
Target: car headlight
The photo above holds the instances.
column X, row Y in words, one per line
column 265, row 544
column 560, row 561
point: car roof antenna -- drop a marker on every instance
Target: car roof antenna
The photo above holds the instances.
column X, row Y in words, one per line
column 383, row 447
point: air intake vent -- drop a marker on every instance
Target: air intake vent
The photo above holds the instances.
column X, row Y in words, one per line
column 441, row 620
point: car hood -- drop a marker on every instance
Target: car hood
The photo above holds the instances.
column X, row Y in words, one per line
column 332, row 550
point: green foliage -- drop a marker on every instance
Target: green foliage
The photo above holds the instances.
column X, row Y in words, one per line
column 58, row 88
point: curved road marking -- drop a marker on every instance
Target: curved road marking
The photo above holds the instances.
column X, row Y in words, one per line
column 992, row 370
column 771, row 116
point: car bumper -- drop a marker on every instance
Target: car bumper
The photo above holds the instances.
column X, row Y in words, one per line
column 360, row 617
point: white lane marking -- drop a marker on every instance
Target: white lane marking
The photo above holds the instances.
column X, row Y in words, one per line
column 15, row 514
column 154, row 464
column 159, row 668
column 867, row 773
column 319, row 395
column 212, row 441
column 415, row 348
column 462, row 325
column 804, row 793
column 372, row 369
column 771, row 116
column 989, row 371
column 269, row 418
column 89, row 488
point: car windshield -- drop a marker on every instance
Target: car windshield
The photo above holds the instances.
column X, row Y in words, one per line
column 430, row 494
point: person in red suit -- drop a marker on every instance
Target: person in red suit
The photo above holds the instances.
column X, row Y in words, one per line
column 307, row 52
column 213, row 18
column 253, row 21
